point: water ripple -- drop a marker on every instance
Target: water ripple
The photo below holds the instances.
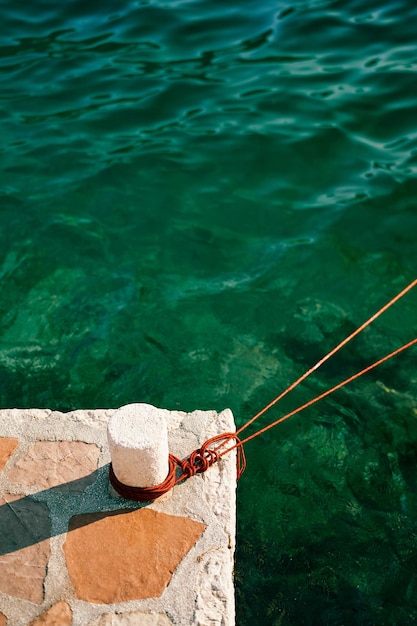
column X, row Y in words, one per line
column 230, row 185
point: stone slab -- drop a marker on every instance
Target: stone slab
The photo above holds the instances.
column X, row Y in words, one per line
column 59, row 614
column 126, row 555
column 7, row 447
column 51, row 463
column 24, row 547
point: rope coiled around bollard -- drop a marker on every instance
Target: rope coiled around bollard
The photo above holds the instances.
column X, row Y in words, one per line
column 180, row 469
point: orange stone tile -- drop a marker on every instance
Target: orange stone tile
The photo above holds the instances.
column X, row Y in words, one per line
column 59, row 614
column 24, row 547
column 126, row 555
column 3, row 620
column 51, row 463
column 7, row 446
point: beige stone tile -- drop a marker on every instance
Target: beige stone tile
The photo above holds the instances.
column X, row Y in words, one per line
column 136, row 618
column 59, row 614
column 24, row 547
column 7, row 446
column 122, row 556
column 51, row 463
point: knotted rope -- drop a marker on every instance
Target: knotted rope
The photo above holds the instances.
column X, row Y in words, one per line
column 180, row 469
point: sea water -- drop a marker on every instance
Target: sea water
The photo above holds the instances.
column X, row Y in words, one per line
column 199, row 199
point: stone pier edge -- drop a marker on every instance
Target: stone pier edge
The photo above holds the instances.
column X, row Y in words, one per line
column 201, row 591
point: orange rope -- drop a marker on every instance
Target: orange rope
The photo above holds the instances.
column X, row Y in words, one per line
column 205, row 456
column 329, row 355
column 322, row 395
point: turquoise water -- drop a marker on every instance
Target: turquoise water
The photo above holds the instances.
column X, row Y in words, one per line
column 198, row 199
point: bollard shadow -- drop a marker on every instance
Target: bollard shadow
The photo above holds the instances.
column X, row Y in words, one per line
column 26, row 520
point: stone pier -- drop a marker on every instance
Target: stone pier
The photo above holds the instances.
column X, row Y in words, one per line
column 71, row 554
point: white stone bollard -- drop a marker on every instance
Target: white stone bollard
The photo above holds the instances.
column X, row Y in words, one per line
column 138, row 442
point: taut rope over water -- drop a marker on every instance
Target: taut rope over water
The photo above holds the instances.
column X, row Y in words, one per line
column 205, row 456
